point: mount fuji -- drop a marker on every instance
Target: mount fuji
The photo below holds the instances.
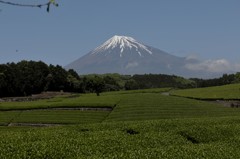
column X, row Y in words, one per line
column 125, row 55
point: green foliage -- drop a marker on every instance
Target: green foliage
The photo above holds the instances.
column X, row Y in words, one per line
column 98, row 85
column 152, row 90
column 131, row 85
column 23, row 78
column 237, row 78
column 94, row 84
column 42, row 111
column 73, row 73
column 127, row 106
column 57, row 116
column 88, row 100
column 143, row 124
column 161, row 81
column 148, row 106
column 228, row 92
column 111, row 83
column 59, row 78
column 29, row 77
column 217, row 138
column 225, row 79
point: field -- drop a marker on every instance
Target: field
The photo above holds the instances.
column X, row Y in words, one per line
column 89, row 100
column 226, row 92
column 183, row 138
column 126, row 124
column 59, row 110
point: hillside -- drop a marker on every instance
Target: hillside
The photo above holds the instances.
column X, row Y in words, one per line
column 225, row 92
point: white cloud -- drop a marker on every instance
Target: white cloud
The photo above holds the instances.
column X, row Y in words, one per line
column 192, row 57
column 237, row 67
column 131, row 64
column 214, row 66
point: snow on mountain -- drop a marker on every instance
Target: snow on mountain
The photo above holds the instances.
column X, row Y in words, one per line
column 122, row 42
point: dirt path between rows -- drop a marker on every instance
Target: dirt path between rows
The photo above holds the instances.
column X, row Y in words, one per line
column 165, row 93
column 228, row 103
column 33, row 124
column 85, row 109
column 232, row 103
column 79, row 108
column 41, row 96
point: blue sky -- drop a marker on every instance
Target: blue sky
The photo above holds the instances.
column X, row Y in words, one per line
column 208, row 29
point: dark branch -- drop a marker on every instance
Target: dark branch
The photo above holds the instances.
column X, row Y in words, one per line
column 26, row 5
column 32, row 5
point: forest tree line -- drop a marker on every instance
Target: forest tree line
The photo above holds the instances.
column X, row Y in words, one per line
column 225, row 79
column 30, row 77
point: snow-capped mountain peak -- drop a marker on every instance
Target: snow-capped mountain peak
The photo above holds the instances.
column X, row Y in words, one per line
column 122, row 42
column 125, row 55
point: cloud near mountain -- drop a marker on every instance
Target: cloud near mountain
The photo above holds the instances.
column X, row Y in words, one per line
column 215, row 66
column 210, row 65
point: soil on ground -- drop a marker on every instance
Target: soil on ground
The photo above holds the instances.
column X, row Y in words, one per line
column 34, row 97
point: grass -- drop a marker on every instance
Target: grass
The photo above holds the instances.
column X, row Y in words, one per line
column 152, row 90
column 226, row 92
column 150, row 106
column 33, row 112
column 61, row 117
column 6, row 118
column 85, row 100
column 52, row 116
column 182, row 138
column 128, row 106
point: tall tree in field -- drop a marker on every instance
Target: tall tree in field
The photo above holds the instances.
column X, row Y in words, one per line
column 94, row 84
column 98, row 85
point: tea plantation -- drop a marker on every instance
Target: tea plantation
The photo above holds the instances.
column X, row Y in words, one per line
column 226, row 92
column 131, row 124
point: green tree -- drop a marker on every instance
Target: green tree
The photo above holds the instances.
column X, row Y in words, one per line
column 59, row 78
column 94, row 84
column 111, row 83
column 98, row 85
column 48, row 79
column 74, row 84
column 73, row 73
column 3, row 84
column 11, row 75
column 237, row 77
column 31, row 77
column 131, row 85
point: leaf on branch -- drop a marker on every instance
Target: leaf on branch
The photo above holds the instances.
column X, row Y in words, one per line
column 53, row 2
